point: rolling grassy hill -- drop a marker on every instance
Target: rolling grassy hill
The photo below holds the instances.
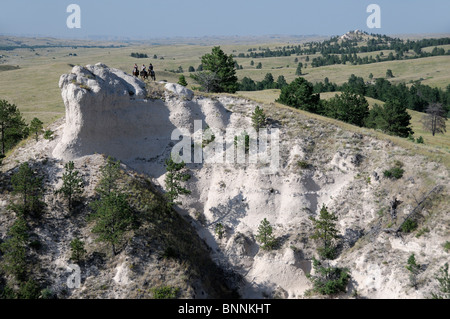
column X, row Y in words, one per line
column 33, row 87
column 435, row 147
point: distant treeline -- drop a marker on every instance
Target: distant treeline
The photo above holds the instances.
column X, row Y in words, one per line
column 335, row 52
column 45, row 46
column 247, row 84
column 416, row 97
column 139, row 55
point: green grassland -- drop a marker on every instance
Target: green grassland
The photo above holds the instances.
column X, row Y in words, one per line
column 33, row 87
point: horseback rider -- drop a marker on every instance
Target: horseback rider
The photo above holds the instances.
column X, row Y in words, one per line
column 143, row 68
column 150, row 67
column 135, row 69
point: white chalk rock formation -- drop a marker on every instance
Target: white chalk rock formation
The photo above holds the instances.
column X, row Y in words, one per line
column 107, row 112
column 180, row 90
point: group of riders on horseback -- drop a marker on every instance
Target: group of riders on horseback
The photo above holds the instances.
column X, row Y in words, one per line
column 144, row 73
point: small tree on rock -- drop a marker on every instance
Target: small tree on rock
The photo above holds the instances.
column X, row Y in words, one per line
column 182, row 80
column 265, row 235
column 175, row 175
column 78, row 250
column 258, row 118
column 326, row 232
column 110, row 173
column 29, row 186
column 12, row 126
column 36, row 127
column 14, row 252
column 329, row 280
column 413, row 269
column 113, row 216
column 73, row 184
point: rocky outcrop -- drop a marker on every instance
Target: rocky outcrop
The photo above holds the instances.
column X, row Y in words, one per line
column 109, row 112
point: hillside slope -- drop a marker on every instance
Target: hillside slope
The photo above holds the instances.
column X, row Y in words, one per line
column 320, row 163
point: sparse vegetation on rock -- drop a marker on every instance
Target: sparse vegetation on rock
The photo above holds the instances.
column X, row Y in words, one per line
column 265, row 235
column 325, row 232
column 175, row 176
column 73, row 184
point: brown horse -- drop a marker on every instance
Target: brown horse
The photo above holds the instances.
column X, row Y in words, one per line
column 136, row 72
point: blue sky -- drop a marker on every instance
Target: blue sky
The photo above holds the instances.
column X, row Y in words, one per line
column 196, row 18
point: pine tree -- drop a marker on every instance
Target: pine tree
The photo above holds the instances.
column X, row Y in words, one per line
column 174, row 177
column 348, row 107
column 328, row 280
column 223, row 66
column 258, row 118
column 414, row 270
column 14, row 250
column 300, row 94
column 36, row 127
column 299, row 69
column 113, row 217
column 389, row 73
column 110, row 173
column 29, row 186
column 78, row 250
column 182, row 80
column 73, row 184
column 265, row 235
column 326, row 232
column 394, row 119
column 12, row 126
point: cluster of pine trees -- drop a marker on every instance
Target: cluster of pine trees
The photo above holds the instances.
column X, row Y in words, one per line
column 416, row 97
column 138, row 55
column 334, row 51
column 247, row 84
column 350, row 107
column 13, row 128
column 111, row 213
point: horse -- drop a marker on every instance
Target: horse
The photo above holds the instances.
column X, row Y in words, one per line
column 144, row 75
column 152, row 75
column 136, row 72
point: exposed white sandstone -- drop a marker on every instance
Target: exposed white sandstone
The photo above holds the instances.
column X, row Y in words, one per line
column 107, row 112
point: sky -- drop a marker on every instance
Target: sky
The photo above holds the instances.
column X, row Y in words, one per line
column 135, row 19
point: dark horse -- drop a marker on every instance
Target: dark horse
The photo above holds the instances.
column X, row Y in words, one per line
column 144, row 75
column 152, row 75
column 136, row 72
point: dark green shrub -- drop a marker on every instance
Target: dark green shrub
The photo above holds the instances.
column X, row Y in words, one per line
column 77, row 249
column 48, row 135
column 329, row 280
column 303, row 164
column 409, row 226
column 165, row 292
column 394, row 173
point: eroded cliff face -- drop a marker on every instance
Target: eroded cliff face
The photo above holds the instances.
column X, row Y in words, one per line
column 111, row 113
